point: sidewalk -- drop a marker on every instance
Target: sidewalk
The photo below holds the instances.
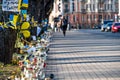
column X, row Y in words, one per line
column 76, row 57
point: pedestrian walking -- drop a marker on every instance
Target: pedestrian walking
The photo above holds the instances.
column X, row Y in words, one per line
column 64, row 26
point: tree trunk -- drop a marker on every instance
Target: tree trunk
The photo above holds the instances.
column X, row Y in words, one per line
column 8, row 42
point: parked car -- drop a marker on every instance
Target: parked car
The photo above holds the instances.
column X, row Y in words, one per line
column 116, row 27
column 105, row 23
column 97, row 26
column 108, row 26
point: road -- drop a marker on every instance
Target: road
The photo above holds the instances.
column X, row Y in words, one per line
column 84, row 55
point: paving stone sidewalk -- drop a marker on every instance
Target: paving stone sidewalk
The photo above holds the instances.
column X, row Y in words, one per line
column 78, row 56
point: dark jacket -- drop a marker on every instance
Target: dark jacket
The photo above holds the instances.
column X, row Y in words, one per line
column 64, row 24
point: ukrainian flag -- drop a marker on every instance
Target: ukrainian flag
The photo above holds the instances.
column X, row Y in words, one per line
column 14, row 19
column 25, row 3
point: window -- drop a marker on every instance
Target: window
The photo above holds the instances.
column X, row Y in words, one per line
column 82, row 18
column 105, row 17
column 108, row 6
column 1, row 1
column 87, row 17
column 74, row 18
column 94, row 17
column 112, row 16
column 111, row 6
column 66, row 6
column 93, row 7
column 91, row 17
column 90, row 7
column 86, row 6
column 73, row 7
column 108, row 17
column 98, row 6
column 105, row 7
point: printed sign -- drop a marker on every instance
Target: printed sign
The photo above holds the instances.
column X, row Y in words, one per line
column 10, row 5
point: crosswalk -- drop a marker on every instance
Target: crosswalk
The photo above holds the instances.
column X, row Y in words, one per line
column 81, row 56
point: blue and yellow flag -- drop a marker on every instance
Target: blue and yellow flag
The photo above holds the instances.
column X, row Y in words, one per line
column 25, row 3
column 13, row 18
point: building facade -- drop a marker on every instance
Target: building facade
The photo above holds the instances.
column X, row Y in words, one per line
column 56, row 12
column 88, row 13
column 119, row 10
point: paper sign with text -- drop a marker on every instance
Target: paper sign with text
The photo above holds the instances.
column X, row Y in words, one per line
column 10, row 5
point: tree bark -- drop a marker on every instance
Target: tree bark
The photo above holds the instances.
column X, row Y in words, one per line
column 8, row 42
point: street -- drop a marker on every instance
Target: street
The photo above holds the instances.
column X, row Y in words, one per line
column 84, row 54
column 33, row 47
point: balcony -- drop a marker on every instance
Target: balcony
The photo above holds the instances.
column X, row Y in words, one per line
column 83, row 11
column 84, row 1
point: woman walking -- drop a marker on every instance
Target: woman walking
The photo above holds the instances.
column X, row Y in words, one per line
column 64, row 26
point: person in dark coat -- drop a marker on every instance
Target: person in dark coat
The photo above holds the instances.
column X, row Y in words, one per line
column 64, row 26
